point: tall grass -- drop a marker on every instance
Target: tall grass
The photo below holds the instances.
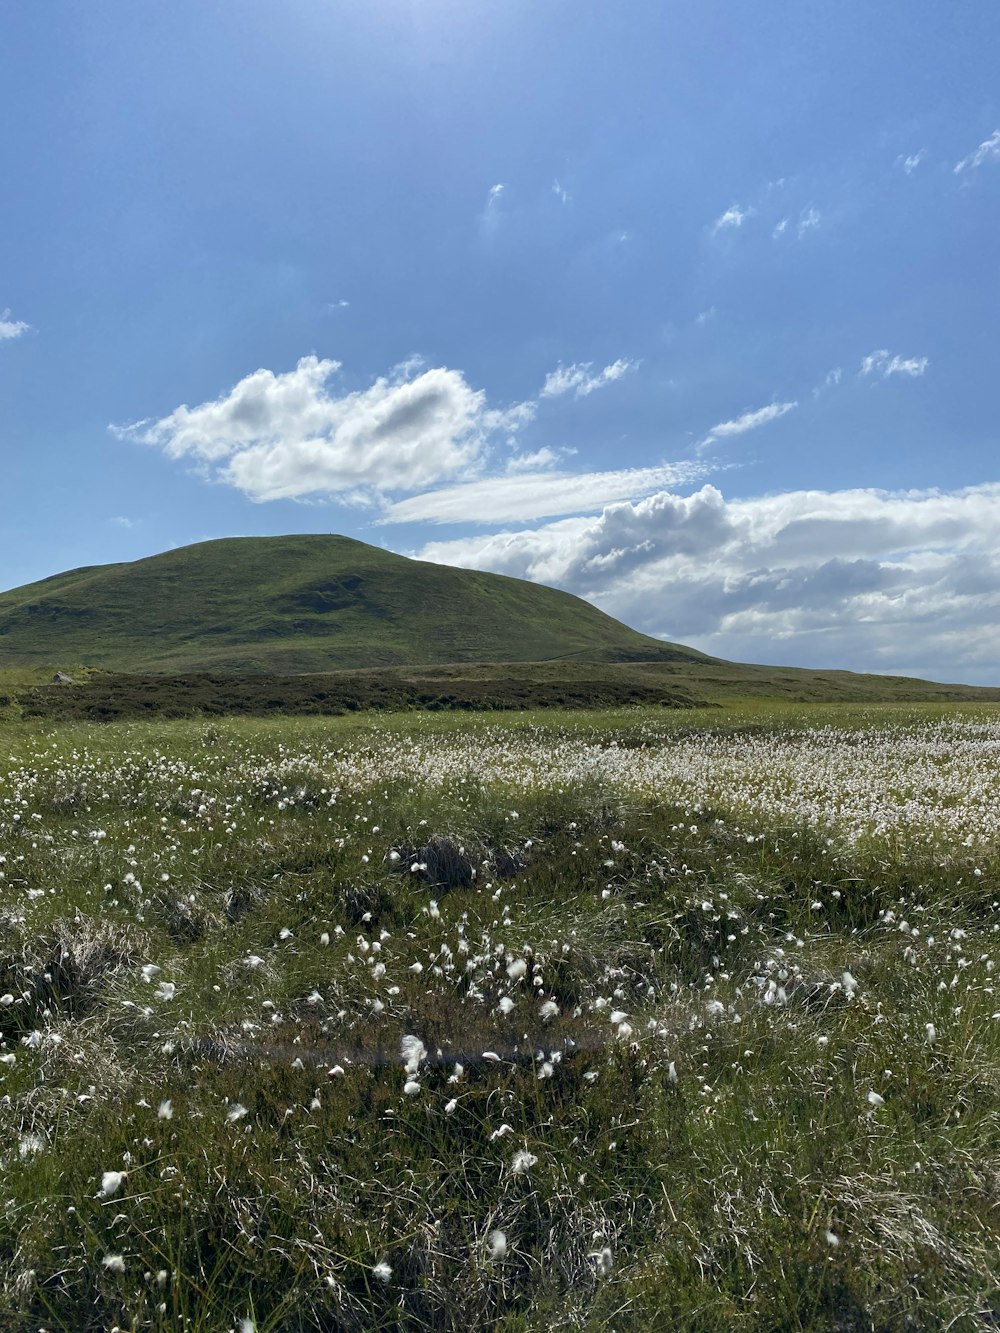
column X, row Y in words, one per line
column 679, row 1060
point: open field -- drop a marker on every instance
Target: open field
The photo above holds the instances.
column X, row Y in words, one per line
column 637, row 1019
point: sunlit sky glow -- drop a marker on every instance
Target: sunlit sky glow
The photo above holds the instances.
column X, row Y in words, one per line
column 689, row 309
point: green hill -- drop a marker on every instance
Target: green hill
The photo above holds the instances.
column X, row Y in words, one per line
column 285, row 605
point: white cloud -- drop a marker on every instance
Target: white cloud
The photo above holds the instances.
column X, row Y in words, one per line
column 524, row 496
column 780, row 229
column 705, row 316
column 579, row 379
column 747, row 421
column 988, row 151
column 562, row 194
column 872, row 580
column 881, row 363
column 11, row 328
column 285, row 436
column 733, row 217
column 494, row 196
column 830, row 381
column 809, row 220
column 540, row 458
column 338, row 305
column 910, row 163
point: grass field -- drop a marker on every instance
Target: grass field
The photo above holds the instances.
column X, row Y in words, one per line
column 636, row 1019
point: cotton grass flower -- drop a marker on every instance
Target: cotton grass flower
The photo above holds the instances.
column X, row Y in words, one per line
column 382, row 1271
column 517, row 969
column 874, row 1099
column 412, row 1051
column 111, row 1182
column 548, row 1011
column 604, row 1260
column 114, row 1263
column 165, row 1110
column 496, row 1244
column 522, row 1162
column 235, row 1113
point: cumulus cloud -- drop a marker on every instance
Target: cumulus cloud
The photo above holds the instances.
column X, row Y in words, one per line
column 881, row 363
column 988, row 151
column 886, row 581
column 11, row 328
column 578, row 378
column 733, row 217
column 521, row 496
column 282, row 436
column 747, row 421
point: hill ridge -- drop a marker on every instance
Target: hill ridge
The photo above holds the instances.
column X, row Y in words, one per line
column 299, row 603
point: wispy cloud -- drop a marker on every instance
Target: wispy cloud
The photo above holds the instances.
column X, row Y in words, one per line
column 522, row 497
column 578, row 378
column 338, row 305
column 988, row 151
column 830, row 381
column 494, row 196
column 809, row 220
column 780, row 229
column 11, row 328
column 761, row 416
column 560, row 192
column 909, row 164
column 733, row 217
column 881, row 363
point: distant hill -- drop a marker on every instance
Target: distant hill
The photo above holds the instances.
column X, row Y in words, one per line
column 287, row 605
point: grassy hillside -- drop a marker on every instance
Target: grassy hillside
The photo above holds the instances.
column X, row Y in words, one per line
column 303, row 603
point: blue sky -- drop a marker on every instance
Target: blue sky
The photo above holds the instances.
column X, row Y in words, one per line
column 688, row 308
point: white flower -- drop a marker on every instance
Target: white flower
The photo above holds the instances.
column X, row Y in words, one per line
column 874, row 1099
column 450, row 1106
column 235, row 1113
column 931, row 1033
column 382, row 1271
column 502, row 1132
column 411, row 1051
column 517, row 969
column 548, row 1011
column 111, row 1182
column 506, row 1005
column 114, row 1263
column 496, row 1243
column 165, row 1110
column 411, row 1087
column 522, row 1162
column 166, row 990
column 831, row 1238
column 150, row 972
column 491, row 1057
column 671, row 1072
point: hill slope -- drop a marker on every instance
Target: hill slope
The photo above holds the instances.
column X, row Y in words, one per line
column 302, row 603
